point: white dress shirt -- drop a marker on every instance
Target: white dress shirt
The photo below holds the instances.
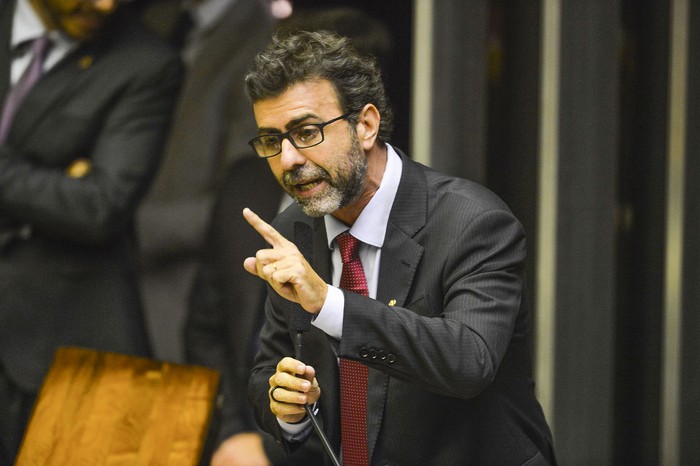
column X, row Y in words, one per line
column 27, row 26
column 370, row 229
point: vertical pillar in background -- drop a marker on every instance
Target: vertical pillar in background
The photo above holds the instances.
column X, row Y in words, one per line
column 689, row 377
column 616, row 218
column 459, row 88
column 585, row 226
column 547, row 218
column 675, row 215
column 514, row 74
column 644, row 88
column 422, row 82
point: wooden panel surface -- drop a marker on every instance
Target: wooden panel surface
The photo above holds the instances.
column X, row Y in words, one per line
column 99, row 408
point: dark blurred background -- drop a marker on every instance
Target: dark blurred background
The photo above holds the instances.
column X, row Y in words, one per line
column 583, row 116
column 591, row 136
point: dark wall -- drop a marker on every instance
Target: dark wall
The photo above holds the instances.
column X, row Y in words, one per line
column 398, row 17
column 641, row 192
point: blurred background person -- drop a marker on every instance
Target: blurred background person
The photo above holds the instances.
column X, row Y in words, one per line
column 226, row 312
column 226, row 308
column 87, row 96
column 211, row 127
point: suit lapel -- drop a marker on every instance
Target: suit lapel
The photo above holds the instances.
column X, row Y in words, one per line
column 400, row 252
column 400, row 257
column 64, row 79
column 322, row 255
column 6, row 12
column 399, row 261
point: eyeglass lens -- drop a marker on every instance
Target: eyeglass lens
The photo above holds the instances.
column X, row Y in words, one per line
column 301, row 137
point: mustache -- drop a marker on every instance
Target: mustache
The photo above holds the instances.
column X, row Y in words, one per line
column 305, row 173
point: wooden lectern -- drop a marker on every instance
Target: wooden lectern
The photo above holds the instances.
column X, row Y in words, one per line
column 98, row 408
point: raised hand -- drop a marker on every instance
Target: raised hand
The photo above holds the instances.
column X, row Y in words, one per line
column 285, row 268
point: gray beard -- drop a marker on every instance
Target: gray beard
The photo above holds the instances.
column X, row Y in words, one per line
column 340, row 192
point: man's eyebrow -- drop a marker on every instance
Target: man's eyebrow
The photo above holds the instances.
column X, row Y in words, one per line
column 290, row 124
column 299, row 120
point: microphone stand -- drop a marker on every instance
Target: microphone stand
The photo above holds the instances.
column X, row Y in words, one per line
column 314, row 421
column 301, row 321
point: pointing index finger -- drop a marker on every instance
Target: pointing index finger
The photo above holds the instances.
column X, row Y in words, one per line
column 269, row 234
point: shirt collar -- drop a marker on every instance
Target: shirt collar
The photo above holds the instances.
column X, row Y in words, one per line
column 370, row 226
column 27, row 25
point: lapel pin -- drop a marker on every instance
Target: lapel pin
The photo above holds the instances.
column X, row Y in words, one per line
column 85, row 62
column 79, row 168
column 392, row 302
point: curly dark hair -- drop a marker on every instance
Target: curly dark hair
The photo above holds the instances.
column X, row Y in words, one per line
column 304, row 56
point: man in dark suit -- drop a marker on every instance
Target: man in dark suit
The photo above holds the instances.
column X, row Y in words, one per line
column 81, row 151
column 428, row 318
column 226, row 303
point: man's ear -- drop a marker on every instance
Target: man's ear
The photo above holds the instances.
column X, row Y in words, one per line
column 368, row 126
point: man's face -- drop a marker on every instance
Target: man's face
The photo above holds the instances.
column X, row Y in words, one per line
column 323, row 178
column 80, row 19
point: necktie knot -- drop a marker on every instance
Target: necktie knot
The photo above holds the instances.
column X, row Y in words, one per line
column 40, row 47
column 349, row 247
column 352, row 276
column 13, row 99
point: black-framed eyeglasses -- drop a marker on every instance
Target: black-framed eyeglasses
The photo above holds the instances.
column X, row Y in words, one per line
column 301, row 137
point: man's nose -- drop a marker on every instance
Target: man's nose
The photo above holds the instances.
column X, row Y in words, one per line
column 290, row 156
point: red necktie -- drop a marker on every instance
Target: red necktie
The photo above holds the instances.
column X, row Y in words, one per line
column 40, row 48
column 353, row 375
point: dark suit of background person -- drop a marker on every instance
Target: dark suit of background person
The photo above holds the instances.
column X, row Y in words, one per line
column 69, row 278
column 226, row 307
column 211, row 127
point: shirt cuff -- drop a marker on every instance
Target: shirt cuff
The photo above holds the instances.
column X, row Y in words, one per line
column 330, row 317
column 298, row 431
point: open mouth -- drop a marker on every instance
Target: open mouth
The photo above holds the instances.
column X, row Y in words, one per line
column 307, row 186
column 306, row 181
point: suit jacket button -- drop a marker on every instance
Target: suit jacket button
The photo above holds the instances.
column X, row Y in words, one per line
column 363, row 352
column 373, row 353
column 390, row 358
column 382, row 354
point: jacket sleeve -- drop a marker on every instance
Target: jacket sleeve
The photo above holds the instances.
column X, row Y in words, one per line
column 452, row 334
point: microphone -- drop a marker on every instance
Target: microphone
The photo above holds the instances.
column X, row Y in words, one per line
column 301, row 322
column 303, row 238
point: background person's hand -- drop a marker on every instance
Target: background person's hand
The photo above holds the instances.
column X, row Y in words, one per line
column 243, row 449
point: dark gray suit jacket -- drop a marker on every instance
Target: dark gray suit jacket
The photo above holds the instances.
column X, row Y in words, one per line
column 69, row 277
column 450, row 374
